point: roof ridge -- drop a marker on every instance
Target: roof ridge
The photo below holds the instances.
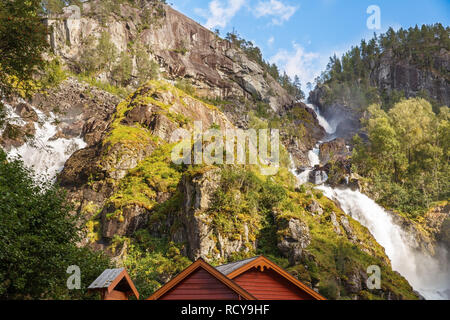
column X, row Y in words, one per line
column 222, row 265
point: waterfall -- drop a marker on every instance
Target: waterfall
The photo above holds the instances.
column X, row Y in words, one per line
column 44, row 153
column 427, row 275
column 330, row 129
column 430, row 276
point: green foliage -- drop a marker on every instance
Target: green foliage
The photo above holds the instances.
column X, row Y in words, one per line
column 122, row 72
column 153, row 175
column 55, row 7
column 244, row 198
column 38, row 239
column 23, row 39
column 54, row 73
column 103, row 85
column 98, row 55
column 185, row 86
column 147, row 69
column 407, row 155
column 106, row 52
column 151, row 262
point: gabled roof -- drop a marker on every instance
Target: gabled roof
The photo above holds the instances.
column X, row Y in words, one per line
column 110, row 279
column 200, row 263
column 230, row 267
column 235, row 269
column 106, row 278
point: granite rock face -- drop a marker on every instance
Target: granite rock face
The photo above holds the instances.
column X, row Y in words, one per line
column 401, row 75
column 294, row 240
column 333, row 150
column 182, row 47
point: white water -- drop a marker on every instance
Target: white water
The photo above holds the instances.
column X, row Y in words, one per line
column 313, row 155
column 427, row 275
column 43, row 153
column 330, row 129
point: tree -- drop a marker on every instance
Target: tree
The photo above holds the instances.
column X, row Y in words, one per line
column 122, row 72
column 23, row 39
column 107, row 51
column 413, row 120
column 299, row 95
column 146, row 69
column 38, row 238
column 407, row 155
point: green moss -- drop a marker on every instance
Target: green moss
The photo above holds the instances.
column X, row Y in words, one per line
column 93, row 230
column 105, row 86
column 151, row 176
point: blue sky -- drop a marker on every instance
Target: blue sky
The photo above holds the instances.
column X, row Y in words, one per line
column 300, row 36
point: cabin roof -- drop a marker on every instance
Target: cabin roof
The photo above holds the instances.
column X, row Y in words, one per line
column 228, row 268
column 106, row 278
column 111, row 279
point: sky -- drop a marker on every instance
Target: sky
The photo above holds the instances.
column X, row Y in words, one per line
column 300, row 36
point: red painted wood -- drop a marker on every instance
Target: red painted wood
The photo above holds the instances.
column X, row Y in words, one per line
column 200, row 285
column 115, row 295
column 269, row 285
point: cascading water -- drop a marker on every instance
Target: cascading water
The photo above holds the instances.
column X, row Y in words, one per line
column 330, row 128
column 318, row 176
column 44, row 154
column 427, row 275
column 430, row 276
column 322, row 121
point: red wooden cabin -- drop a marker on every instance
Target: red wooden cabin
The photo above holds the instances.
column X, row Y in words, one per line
column 114, row 284
column 256, row 278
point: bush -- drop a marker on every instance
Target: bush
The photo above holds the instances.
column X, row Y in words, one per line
column 39, row 237
column 185, row 86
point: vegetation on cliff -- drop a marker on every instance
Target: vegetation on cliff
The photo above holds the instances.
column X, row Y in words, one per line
column 247, row 210
column 407, row 155
column 349, row 79
column 22, row 42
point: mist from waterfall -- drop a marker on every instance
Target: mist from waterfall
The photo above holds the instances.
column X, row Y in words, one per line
column 430, row 276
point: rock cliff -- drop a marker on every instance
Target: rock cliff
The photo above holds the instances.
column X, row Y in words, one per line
column 182, row 47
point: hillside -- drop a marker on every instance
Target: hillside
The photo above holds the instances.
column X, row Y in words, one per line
column 391, row 66
column 126, row 75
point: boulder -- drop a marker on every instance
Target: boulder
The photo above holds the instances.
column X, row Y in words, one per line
column 333, row 150
column 293, row 238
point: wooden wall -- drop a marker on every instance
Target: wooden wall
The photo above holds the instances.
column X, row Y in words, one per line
column 114, row 295
column 200, row 285
column 269, row 285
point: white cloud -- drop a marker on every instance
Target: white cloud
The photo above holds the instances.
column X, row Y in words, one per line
column 306, row 65
column 218, row 14
column 279, row 11
column 270, row 41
